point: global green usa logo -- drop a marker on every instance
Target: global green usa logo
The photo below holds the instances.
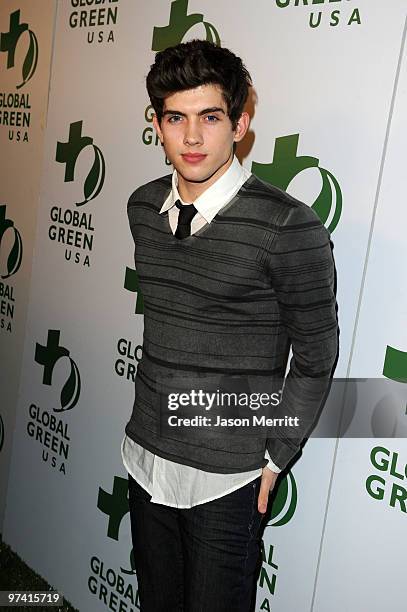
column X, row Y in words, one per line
column 103, row 577
column 46, row 430
column 69, row 152
column 115, row 506
column 11, row 39
column 287, row 165
column 179, row 25
column 329, row 15
column 70, row 227
column 10, row 240
column 48, row 356
column 94, row 19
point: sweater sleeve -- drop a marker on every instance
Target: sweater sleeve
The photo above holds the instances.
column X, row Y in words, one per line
column 271, row 465
column 302, row 272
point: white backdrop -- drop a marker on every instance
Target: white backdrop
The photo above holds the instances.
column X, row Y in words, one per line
column 23, row 112
column 329, row 105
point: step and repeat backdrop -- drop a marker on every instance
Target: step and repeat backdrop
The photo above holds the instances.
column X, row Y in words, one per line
column 25, row 58
column 329, row 126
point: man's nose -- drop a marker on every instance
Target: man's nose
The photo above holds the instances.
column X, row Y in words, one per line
column 193, row 134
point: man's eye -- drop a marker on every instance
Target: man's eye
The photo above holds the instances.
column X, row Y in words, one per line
column 174, row 118
column 212, row 118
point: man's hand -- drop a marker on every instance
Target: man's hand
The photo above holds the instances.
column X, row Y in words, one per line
column 268, row 479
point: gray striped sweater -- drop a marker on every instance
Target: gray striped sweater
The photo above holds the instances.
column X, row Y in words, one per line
column 231, row 300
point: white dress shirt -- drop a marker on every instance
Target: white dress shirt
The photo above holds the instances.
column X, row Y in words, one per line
column 169, row 483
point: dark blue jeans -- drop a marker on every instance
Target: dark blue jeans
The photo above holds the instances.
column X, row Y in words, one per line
column 200, row 559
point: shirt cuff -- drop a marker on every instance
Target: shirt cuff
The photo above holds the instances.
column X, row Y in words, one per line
column 271, row 465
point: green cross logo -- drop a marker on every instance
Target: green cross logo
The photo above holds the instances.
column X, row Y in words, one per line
column 8, row 44
column 116, row 505
column 68, row 152
column 48, row 356
column 284, row 503
column 131, row 283
column 16, row 252
column 179, row 24
column 286, row 165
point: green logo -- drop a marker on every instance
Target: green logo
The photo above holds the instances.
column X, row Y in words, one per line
column 389, row 415
column 284, row 503
column 286, row 165
column 8, row 44
column 48, row 356
column 395, row 364
column 68, row 152
column 389, row 486
column 180, row 23
column 345, row 16
column 116, row 505
column 16, row 252
column 131, row 283
column 1, row 433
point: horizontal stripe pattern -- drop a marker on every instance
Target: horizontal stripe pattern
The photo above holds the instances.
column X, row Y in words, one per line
column 233, row 298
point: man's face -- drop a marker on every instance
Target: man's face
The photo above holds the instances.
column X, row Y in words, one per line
column 198, row 137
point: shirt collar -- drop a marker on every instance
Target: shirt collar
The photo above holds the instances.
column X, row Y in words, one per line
column 217, row 195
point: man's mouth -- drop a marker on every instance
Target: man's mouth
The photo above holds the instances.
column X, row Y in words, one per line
column 193, row 158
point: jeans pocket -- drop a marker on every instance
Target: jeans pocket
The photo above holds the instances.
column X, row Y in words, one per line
column 256, row 516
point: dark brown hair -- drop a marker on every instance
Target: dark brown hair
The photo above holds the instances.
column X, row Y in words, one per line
column 199, row 62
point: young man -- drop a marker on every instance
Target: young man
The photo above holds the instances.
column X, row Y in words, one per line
column 233, row 271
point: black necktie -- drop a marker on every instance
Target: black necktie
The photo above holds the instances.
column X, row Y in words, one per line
column 186, row 214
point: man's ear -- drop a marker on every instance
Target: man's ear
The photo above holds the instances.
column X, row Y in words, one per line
column 158, row 128
column 242, row 126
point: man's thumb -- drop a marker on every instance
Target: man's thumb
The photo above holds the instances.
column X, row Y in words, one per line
column 263, row 496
